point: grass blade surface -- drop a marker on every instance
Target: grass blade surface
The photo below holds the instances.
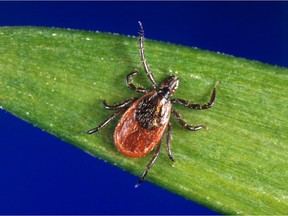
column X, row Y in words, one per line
column 56, row 79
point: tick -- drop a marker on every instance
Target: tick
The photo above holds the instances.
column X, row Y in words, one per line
column 145, row 119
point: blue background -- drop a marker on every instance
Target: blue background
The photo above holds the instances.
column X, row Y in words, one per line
column 39, row 174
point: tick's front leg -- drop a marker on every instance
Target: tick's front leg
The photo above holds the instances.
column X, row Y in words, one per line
column 119, row 105
column 142, row 56
column 197, row 106
column 129, row 83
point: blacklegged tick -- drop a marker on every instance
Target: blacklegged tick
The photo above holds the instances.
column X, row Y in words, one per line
column 145, row 119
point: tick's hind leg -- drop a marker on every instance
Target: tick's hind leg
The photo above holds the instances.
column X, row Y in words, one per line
column 168, row 142
column 103, row 124
column 149, row 165
column 119, row 105
column 197, row 106
column 184, row 124
column 129, row 78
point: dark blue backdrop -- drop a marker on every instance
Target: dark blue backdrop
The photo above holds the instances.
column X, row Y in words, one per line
column 40, row 174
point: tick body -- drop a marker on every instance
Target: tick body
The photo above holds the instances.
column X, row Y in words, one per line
column 145, row 119
column 143, row 124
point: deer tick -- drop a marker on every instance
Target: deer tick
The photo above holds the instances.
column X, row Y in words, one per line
column 145, row 119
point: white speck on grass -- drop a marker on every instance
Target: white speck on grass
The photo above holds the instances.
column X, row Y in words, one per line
column 170, row 71
column 1, row 33
column 89, row 153
column 176, row 72
column 195, row 76
column 52, row 90
column 88, row 39
column 1, row 107
column 27, row 113
column 219, row 203
column 54, row 78
column 94, row 83
column 54, row 34
column 102, row 58
column 260, row 189
column 221, row 53
column 51, row 125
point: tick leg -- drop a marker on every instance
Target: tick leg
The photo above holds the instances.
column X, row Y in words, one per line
column 119, row 105
column 197, row 106
column 184, row 124
column 133, row 87
column 103, row 124
column 168, row 142
column 142, row 55
column 149, row 165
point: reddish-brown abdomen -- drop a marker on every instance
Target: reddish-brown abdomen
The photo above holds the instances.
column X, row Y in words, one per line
column 131, row 139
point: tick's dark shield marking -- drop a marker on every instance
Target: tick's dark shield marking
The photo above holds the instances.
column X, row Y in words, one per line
column 142, row 126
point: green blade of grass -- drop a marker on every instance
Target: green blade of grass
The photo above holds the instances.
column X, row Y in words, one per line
column 56, row 79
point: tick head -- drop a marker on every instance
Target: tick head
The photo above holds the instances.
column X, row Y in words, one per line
column 169, row 86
